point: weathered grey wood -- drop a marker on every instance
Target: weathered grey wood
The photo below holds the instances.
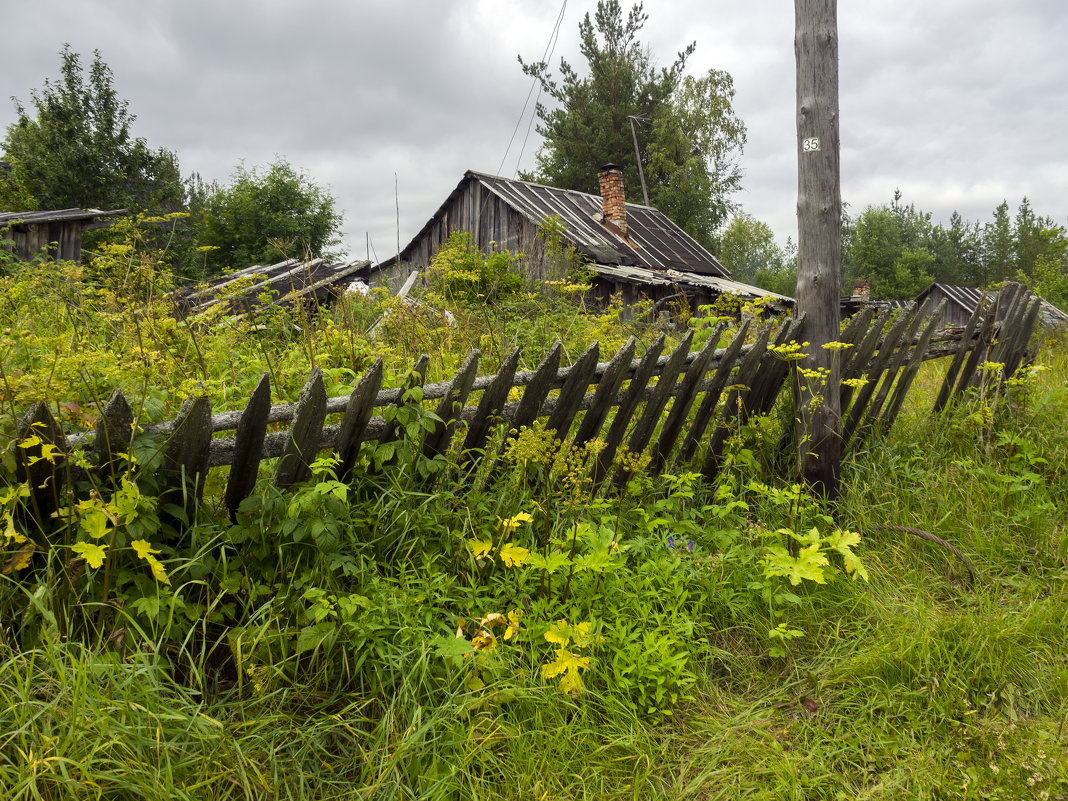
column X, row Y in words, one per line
column 642, row 373
column 961, row 354
column 857, row 358
column 295, row 465
column 874, row 373
column 437, row 439
column 248, row 446
column 1011, row 305
column 44, row 476
column 489, row 406
column 904, row 382
column 732, row 407
column 891, row 374
column 654, row 407
column 712, row 394
column 856, row 329
column 358, row 413
column 536, row 391
column 1019, row 351
column 770, row 374
column 819, row 239
column 611, row 380
column 114, row 433
column 980, row 351
column 186, row 460
column 572, row 393
column 1018, row 337
column 1032, row 350
column 1007, row 333
column 680, row 407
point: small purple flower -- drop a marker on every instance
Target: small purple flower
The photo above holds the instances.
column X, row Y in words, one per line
column 689, row 545
column 671, row 542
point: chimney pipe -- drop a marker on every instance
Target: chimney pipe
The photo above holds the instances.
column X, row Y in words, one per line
column 614, row 202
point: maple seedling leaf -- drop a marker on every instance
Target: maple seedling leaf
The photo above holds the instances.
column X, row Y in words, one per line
column 559, row 633
column 567, row 666
column 144, row 550
column 92, row 553
column 513, row 555
column 94, row 520
column 843, row 542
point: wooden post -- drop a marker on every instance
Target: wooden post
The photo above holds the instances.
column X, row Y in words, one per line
column 819, row 217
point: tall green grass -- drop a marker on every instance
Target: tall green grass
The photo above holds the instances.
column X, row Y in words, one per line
column 337, row 642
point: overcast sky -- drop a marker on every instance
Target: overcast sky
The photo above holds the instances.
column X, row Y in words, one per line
column 959, row 103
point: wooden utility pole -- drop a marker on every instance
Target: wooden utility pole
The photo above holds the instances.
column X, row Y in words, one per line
column 819, row 241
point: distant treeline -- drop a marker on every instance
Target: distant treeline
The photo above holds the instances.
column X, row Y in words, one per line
column 899, row 250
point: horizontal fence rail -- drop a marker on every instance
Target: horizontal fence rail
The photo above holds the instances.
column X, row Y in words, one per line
column 676, row 406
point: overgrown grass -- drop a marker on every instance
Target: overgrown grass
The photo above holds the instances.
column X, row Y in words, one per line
column 422, row 634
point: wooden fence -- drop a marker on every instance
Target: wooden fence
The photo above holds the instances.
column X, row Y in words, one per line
column 682, row 419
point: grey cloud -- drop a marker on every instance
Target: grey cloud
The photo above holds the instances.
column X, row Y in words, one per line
column 960, row 103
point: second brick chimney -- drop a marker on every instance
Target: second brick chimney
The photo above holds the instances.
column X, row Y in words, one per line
column 614, row 203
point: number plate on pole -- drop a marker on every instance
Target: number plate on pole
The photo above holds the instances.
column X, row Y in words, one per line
column 811, row 144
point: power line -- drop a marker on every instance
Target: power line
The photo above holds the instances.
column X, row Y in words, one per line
column 550, row 49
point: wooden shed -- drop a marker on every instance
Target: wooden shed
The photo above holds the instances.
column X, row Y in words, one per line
column 962, row 300
column 59, row 233
column 633, row 250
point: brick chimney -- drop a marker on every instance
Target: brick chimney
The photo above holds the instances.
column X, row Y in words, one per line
column 613, row 201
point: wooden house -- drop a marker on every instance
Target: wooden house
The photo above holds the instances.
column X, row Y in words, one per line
column 58, row 233
column 962, row 300
column 633, row 250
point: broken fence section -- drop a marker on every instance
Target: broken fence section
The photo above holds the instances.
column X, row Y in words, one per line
column 682, row 418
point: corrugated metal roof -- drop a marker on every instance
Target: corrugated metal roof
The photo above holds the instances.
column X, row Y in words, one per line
column 61, row 215
column 964, row 296
column 642, row 275
column 968, row 298
column 658, row 243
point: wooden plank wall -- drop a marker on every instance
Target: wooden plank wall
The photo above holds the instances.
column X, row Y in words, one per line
column 682, row 421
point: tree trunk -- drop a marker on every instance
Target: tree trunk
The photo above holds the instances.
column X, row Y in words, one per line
column 819, row 216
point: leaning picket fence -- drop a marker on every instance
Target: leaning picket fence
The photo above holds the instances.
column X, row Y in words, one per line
column 682, row 419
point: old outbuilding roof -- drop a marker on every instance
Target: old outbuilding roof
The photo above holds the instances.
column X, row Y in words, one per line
column 654, row 250
column 89, row 216
column 285, row 282
column 658, row 243
column 966, row 298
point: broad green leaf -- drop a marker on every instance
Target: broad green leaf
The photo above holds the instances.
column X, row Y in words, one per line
column 126, row 501
column 843, row 542
column 559, row 633
column 513, row 555
column 551, row 563
column 809, row 564
column 92, row 553
column 94, row 520
column 452, row 649
column 566, row 665
column 312, row 637
column 144, row 550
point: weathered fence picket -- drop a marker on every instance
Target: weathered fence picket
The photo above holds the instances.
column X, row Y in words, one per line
column 695, row 392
